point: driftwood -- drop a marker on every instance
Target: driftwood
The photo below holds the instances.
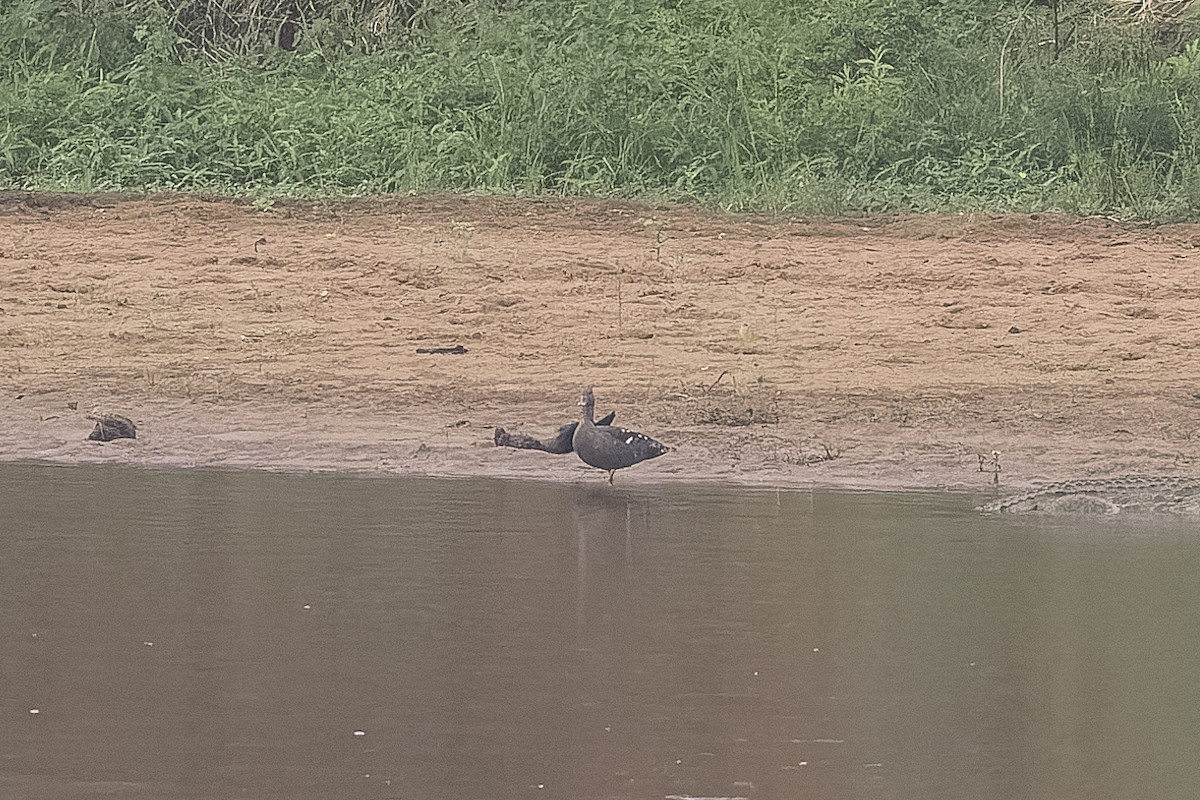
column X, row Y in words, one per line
column 112, row 426
column 457, row 350
column 559, row 445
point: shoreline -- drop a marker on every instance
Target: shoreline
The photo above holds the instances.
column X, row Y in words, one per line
column 290, row 439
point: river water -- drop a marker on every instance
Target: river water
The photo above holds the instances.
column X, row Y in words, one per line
column 197, row 634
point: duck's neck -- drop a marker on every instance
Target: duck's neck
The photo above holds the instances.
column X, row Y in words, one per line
column 589, row 412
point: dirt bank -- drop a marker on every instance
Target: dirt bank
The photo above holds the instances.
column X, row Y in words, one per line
column 878, row 353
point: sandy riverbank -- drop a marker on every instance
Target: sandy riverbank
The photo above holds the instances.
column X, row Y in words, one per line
column 286, row 338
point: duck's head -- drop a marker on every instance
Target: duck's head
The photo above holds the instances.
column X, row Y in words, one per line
column 587, row 398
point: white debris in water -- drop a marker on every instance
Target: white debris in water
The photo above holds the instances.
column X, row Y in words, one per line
column 35, row 711
column 360, row 733
column 148, row 644
column 816, row 649
column 307, row 606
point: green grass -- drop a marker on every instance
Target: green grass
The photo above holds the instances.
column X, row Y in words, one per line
column 832, row 106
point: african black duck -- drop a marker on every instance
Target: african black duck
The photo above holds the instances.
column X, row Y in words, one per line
column 559, row 445
column 608, row 447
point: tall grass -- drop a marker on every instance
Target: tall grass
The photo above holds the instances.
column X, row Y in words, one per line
column 830, row 106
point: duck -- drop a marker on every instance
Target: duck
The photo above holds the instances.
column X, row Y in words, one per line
column 608, row 447
column 561, row 444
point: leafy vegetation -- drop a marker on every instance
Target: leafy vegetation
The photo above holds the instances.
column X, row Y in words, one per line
column 834, row 106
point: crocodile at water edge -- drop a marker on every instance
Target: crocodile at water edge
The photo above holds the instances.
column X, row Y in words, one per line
column 1133, row 494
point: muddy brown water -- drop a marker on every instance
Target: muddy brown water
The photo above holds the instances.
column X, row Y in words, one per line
column 203, row 634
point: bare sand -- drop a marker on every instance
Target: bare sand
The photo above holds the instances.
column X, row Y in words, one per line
column 880, row 353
